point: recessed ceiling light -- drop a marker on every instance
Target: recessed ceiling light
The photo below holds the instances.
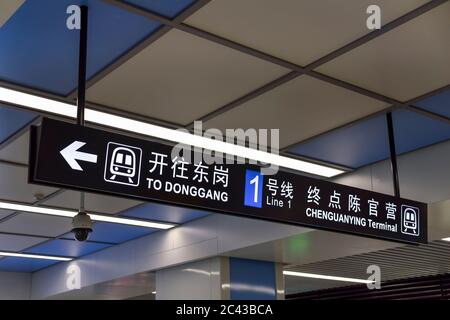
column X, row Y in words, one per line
column 320, row 276
column 34, row 256
column 95, row 217
column 127, row 124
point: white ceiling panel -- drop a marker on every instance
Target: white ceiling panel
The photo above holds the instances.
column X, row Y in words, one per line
column 297, row 108
column 17, row 151
column 300, row 31
column 36, row 224
column 17, row 243
column 93, row 202
column 404, row 63
column 14, row 184
column 8, row 8
column 181, row 77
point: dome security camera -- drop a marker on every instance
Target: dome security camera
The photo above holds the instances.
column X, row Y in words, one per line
column 81, row 226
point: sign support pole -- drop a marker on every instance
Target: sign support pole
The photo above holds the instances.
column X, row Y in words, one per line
column 82, row 61
column 393, row 154
column 82, row 66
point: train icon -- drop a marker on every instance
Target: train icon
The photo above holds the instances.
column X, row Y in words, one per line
column 123, row 164
column 410, row 220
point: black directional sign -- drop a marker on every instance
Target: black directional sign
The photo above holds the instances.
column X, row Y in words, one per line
column 71, row 156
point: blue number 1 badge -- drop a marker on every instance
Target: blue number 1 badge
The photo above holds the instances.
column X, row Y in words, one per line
column 253, row 188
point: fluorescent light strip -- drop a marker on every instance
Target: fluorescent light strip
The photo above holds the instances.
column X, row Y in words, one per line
column 95, row 217
column 446, row 239
column 319, row 276
column 178, row 136
column 38, row 103
column 33, row 256
column 41, row 210
column 131, row 222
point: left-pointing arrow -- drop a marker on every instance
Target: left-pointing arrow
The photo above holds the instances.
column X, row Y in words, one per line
column 71, row 155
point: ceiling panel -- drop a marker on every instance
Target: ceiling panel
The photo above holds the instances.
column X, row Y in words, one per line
column 17, row 243
column 17, row 151
column 12, row 120
column 413, row 131
column 47, row 57
column 301, row 284
column 14, row 184
column 168, row 8
column 37, row 224
column 93, row 202
column 162, row 212
column 367, row 141
column 348, row 146
column 439, row 104
column 13, row 264
column 300, row 31
column 7, row 9
column 404, row 63
column 114, row 233
column 4, row 213
column 181, row 77
column 297, row 108
column 311, row 246
column 68, row 248
column 395, row 263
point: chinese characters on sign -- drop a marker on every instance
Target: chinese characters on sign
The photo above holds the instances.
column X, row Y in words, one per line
column 213, row 178
column 180, row 168
column 279, row 194
column 372, row 213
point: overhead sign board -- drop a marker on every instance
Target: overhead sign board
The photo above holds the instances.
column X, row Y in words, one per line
column 70, row 156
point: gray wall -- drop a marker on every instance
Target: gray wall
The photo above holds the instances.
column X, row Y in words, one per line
column 193, row 281
column 14, row 285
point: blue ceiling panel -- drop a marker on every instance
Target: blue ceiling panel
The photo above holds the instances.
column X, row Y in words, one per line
column 168, row 8
column 115, row 233
column 413, row 131
column 68, row 248
column 38, row 50
column 366, row 142
column 439, row 104
column 353, row 146
column 12, row 120
column 14, row 264
column 160, row 212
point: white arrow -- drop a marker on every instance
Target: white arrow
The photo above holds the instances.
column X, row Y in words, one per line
column 71, row 155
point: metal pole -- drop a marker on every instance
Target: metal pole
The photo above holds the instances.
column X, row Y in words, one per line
column 393, row 153
column 82, row 57
column 82, row 202
column 82, row 60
